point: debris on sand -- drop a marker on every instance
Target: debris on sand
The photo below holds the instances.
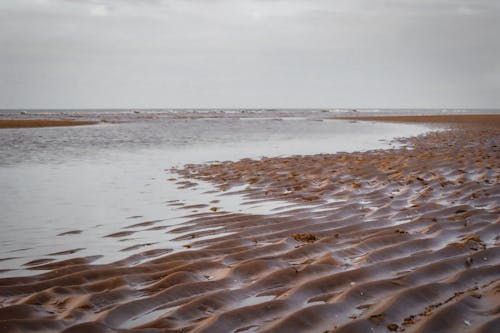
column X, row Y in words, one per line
column 305, row 237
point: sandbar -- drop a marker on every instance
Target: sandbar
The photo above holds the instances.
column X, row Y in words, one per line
column 28, row 123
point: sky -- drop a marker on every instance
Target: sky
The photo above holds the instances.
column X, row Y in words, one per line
column 249, row 54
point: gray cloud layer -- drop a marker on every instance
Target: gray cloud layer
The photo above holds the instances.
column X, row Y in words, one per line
column 249, row 53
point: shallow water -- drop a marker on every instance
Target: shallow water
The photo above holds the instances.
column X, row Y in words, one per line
column 99, row 179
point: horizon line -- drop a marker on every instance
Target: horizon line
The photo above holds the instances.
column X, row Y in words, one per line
column 255, row 108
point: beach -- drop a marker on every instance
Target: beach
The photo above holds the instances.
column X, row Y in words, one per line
column 396, row 238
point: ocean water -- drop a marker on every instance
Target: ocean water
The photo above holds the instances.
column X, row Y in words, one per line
column 101, row 178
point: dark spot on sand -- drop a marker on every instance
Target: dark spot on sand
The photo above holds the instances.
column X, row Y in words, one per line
column 305, row 237
column 142, row 224
column 38, row 262
column 377, row 319
column 392, row 327
column 62, row 253
column 135, row 247
column 72, row 232
column 121, row 234
column 410, row 320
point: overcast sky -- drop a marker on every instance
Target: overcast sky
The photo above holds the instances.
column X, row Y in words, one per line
column 249, row 53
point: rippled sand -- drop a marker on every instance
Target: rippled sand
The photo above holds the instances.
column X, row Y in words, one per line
column 390, row 240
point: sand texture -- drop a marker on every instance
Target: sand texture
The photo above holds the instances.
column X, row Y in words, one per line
column 391, row 240
column 27, row 123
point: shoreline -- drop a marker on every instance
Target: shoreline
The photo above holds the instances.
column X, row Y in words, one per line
column 36, row 123
column 403, row 238
column 483, row 120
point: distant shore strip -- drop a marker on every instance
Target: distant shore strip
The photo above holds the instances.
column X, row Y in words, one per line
column 27, row 123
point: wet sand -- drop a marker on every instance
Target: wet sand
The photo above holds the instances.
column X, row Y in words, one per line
column 389, row 240
column 447, row 120
column 27, row 123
